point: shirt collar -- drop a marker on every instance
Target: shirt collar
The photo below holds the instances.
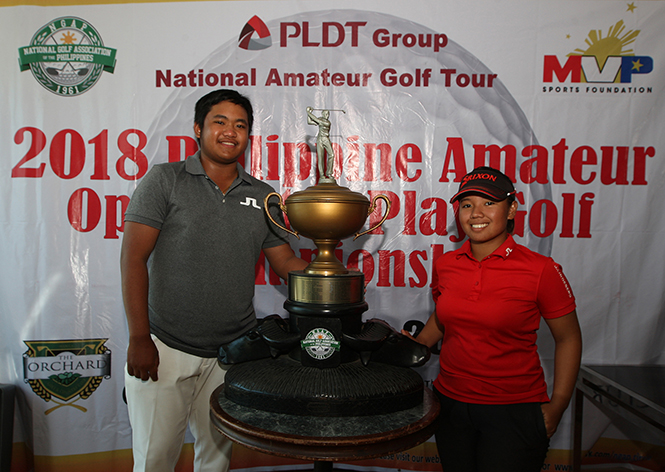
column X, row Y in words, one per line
column 506, row 248
column 243, row 174
column 465, row 250
column 502, row 251
column 193, row 166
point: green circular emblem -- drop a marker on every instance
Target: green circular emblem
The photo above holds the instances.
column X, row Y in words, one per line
column 320, row 343
column 67, row 56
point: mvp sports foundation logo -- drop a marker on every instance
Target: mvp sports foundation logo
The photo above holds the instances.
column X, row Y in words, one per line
column 67, row 56
column 66, row 370
column 607, row 66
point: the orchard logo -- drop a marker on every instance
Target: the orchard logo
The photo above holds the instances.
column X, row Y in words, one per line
column 67, row 56
column 66, row 371
column 255, row 35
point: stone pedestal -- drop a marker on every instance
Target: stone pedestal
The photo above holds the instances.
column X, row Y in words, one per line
column 325, row 440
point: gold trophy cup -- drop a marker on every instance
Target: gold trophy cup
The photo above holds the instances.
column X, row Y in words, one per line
column 327, row 213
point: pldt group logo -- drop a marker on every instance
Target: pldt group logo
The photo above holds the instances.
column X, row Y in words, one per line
column 255, row 35
column 307, row 33
column 608, row 66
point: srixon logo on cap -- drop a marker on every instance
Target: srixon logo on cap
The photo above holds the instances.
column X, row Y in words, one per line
column 467, row 178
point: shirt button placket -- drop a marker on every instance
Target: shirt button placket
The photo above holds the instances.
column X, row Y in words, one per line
column 479, row 275
column 475, row 291
column 217, row 188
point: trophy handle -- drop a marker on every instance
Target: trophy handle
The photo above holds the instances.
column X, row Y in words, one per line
column 372, row 207
column 281, row 207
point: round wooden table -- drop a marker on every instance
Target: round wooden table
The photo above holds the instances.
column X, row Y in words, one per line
column 324, row 440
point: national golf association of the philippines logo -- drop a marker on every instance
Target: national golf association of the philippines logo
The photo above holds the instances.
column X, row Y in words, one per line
column 320, row 343
column 66, row 370
column 67, row 56
column 255, row 35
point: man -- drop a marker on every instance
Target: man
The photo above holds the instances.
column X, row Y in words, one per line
column 202, row 225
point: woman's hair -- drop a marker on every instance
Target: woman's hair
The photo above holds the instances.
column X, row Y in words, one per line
column 510, row 227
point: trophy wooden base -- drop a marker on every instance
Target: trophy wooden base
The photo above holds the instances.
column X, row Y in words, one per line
column 324, row 440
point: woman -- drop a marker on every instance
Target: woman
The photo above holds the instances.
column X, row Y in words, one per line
column 490, row 296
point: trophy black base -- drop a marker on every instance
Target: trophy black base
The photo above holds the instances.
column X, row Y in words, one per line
column 324, row 361
column 284, row 385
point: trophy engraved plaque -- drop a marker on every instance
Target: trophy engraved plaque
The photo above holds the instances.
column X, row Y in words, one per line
column 324, row 360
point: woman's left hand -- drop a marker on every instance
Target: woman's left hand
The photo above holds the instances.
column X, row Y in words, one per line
column 552, row 415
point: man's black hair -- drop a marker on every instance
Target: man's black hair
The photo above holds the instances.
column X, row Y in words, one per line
column 205, row 103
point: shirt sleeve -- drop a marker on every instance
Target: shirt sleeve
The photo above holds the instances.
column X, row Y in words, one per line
column 555, row 296
column 150, row 201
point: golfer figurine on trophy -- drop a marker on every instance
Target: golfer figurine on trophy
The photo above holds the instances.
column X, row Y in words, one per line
column 323, row 145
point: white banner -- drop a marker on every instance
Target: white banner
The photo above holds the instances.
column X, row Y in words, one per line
column 566, row 98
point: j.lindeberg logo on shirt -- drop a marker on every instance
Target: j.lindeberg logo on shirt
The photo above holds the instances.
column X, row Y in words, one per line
column 249, row 201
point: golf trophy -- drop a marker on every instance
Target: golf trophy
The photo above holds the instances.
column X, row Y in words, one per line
column 324, row 360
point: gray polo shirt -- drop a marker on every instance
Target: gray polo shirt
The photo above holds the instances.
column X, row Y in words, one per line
column 202, row 267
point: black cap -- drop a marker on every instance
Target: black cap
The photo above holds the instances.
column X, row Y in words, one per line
column 486, row 181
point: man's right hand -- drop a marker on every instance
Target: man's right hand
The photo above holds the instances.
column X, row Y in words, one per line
column 142, row 358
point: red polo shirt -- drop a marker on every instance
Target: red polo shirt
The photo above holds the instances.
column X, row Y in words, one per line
column 491, row 311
